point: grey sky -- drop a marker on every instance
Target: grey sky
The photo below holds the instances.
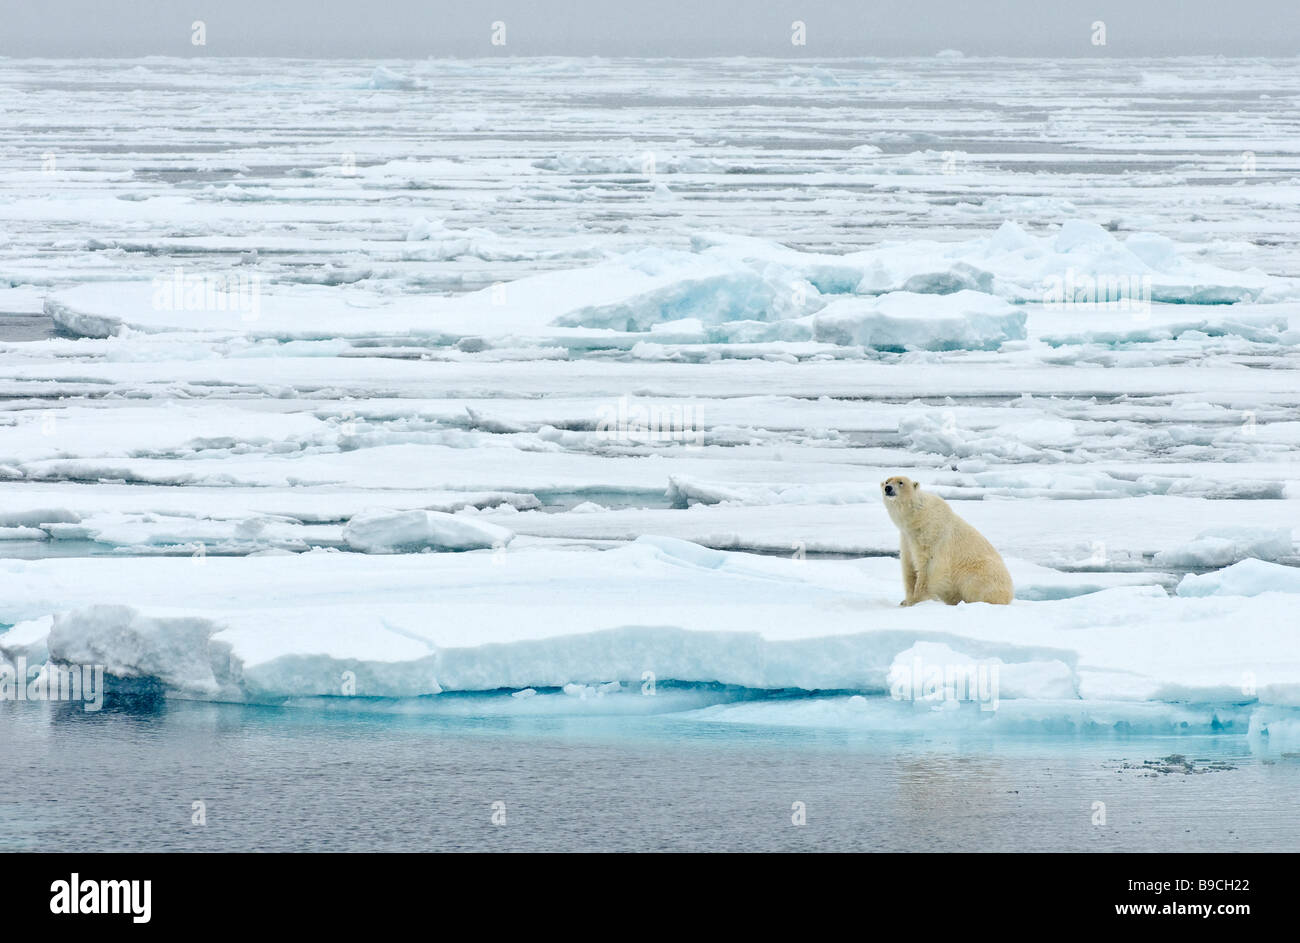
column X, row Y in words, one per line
column 420, row 28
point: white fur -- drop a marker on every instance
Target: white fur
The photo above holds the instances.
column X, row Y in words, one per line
column 943, row 557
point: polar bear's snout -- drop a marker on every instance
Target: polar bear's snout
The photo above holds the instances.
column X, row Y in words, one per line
column 897, row 486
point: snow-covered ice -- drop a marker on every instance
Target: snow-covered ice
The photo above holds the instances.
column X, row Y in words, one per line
column 386, row 531
column 599, row 412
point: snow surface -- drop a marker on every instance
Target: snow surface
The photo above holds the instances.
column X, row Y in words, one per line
column 540, row 391
column 542, row 618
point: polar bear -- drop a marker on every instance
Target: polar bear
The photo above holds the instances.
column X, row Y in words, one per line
column 943, row 556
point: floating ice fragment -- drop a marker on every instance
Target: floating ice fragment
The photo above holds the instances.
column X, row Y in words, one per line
column 385, row 531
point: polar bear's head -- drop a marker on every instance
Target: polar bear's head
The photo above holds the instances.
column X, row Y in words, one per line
column 899, row 489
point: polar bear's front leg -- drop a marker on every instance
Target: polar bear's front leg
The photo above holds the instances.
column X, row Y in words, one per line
column 911, row 576
column 921, row 588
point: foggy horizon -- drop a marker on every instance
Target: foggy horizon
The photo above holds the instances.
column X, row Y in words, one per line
column 673, row 29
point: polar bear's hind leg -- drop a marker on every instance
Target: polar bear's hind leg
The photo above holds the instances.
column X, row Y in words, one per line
column 991, row 584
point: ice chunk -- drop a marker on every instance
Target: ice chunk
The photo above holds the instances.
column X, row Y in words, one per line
column 1221, row 546
column 385, row 78
column 708, row 290
column 1017, row 441
column 35, row 517
column 439, row 242
column 1275, row 731
column 22, row 533
column 424, row 229
column 676, row 550
column 26, row 640
column 1079, row 235
column 176, row 652
column 386, row 531
column 1246, row 578
column 907, row 320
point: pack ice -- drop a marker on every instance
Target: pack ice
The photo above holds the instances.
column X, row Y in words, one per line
column 597, row 416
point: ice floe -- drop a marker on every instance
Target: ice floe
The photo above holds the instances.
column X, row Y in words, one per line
column 542, row 618
column 633, row 382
